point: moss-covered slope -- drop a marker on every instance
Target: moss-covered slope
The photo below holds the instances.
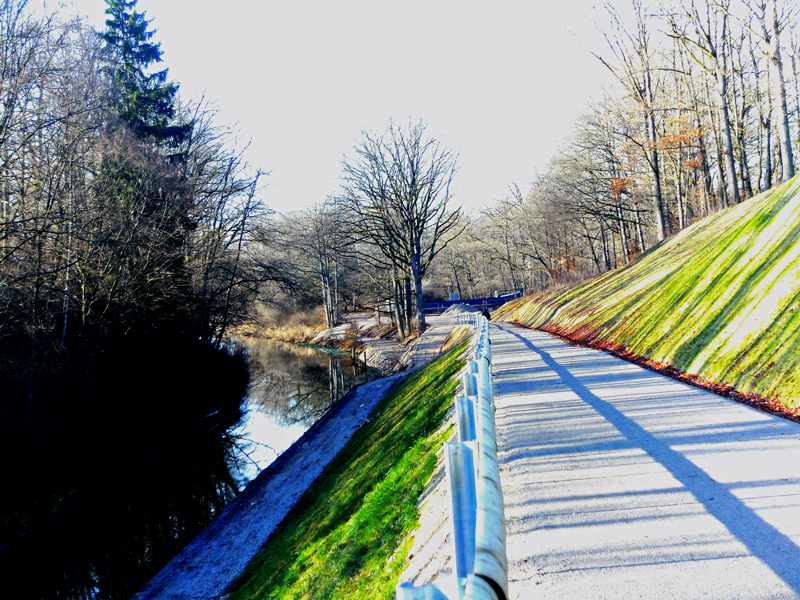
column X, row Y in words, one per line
column 719, row 300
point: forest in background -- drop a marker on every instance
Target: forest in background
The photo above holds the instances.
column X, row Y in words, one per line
column 703, row 113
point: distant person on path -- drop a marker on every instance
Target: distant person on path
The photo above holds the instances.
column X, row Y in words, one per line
column 486, row 314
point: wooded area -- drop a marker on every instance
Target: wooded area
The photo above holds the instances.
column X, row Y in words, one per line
column 129, row 245
column 704, row 114
column 134, row 236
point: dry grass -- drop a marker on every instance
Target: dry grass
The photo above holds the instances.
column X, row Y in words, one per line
column 297, row 327
column 351, row 342
column 460, row 334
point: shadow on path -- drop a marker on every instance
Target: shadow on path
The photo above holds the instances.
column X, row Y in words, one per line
column 772, row 547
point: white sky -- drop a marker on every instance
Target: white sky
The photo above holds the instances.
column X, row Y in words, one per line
column 499, row 82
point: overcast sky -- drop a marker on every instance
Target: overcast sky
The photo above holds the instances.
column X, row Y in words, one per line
column 498, row 82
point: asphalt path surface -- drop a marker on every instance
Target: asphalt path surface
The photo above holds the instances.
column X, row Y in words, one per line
column 622, row 483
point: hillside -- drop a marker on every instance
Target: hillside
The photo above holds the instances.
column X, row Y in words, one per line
column 717, row 301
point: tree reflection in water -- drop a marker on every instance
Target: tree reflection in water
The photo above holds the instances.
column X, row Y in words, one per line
column 133, row 467
column 296, row 385
column 111, row 539
column 291, row 388
column 108, row 544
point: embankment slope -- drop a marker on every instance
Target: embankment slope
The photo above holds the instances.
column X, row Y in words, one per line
column 350, row 533
column 717, row 301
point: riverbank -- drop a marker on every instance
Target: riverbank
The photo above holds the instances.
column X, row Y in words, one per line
column 373, row 342
column 380, row 350
column 215, row 558
column 211, row 562
column 349, row 536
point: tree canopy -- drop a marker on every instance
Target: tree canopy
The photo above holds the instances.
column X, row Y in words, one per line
column 144, row 100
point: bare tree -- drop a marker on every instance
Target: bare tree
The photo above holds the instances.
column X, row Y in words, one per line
column 772, row 21
column 634, row 54
column 318, row 240
column 397, row 185
column 704, row 30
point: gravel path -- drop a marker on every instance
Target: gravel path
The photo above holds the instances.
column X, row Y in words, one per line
column 621, row 483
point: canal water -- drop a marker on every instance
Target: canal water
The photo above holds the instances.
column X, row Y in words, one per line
column 108, row 544
column 291, row 387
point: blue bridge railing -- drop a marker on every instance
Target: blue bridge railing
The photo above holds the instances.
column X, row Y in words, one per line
column 440, row 307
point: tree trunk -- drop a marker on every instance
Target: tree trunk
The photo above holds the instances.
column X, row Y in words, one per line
column 606, row 257
column 732, row 186
column 336, row 294
column 782, row 116
column 792, row 55
column 587, row 234
column 325, row 299
column 701, row 142
column 458, row 283
column 658, row 202
column 768, row 154
column 614, row 263
column 397, row 303
column 419, row 304
column 511, row 265
column 679, row 192
column 722, row 200
column 639, row 228
column 740, row 116
column 623, row 242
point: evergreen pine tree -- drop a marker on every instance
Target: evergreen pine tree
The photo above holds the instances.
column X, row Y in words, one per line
column 144, row 101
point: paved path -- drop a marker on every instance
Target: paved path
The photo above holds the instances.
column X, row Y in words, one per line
column 621, row 483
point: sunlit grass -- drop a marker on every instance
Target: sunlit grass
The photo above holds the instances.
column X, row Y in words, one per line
column 459, row 334
column 348, row 535
column 718, row 300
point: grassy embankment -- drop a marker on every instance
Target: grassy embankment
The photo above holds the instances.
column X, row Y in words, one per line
column 349, row 535
column 718, row 302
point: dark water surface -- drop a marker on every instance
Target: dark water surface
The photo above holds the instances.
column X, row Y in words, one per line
column 108, row 542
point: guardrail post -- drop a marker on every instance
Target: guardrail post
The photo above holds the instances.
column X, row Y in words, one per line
column 476, row 507
column 485, row 381
column 465, row 415
column 469, row 383
column 460, row 461
column 407, row 591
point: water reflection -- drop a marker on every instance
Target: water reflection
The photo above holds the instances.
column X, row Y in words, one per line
column 108, row 544
column 291, row 388
column 107, row 540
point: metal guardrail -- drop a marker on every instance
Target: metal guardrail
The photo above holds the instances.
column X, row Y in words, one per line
column 473, row 473
column 492, row 301
column 468, row 318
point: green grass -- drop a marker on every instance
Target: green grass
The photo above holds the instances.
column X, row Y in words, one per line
column 349, row 535
column 719, row 300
